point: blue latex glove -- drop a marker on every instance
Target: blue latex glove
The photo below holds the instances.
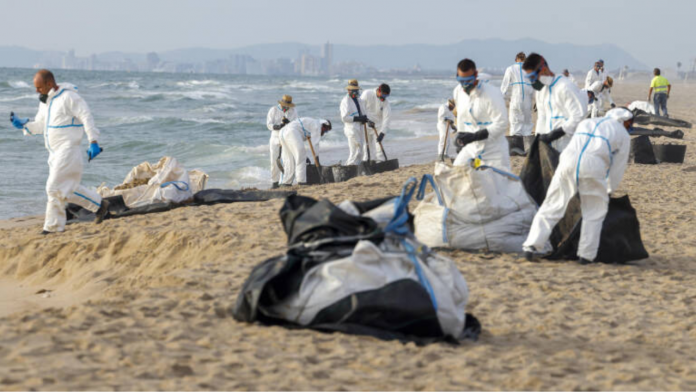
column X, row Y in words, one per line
column 93, row 151
column 17, row 122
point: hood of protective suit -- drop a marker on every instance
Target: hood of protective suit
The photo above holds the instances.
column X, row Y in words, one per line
column 61, row 87
column 620, row 114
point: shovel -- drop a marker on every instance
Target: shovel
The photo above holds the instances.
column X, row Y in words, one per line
column 380, row 146
column 279, row 160
column 316, row 160
column 444, row 149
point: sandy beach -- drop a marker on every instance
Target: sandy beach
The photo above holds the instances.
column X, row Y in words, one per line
column 144, row 303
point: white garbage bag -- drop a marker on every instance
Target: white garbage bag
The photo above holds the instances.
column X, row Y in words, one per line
column 473, row 208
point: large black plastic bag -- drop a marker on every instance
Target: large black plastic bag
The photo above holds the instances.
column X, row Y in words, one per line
column 320, row 232
column 620, row 239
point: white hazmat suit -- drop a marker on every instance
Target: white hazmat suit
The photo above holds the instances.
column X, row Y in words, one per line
column 443, row 115
column 353, row 130
column 521, row 94
column 62, row 120
column 379, row 112
column 483, row 109
column 602, row 95
column 592, row 165
column 292, row 139
column 560, row 105
column 275, row 117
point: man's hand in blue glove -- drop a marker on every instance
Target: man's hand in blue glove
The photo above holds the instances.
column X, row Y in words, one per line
column 94, row 150
column 17, row 122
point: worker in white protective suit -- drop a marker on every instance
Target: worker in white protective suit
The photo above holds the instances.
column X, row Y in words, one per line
column 481, row 120
column 62, row 118
column 592, row 165
column 445, row 121
column 521, row 94
column 354, row 117
column 560, row 104
column 278, row 117
column 596, row 74
column 602, row 93
column 379, row 113
column 292, row 138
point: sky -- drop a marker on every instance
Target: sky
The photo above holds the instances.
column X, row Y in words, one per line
column 658, row 33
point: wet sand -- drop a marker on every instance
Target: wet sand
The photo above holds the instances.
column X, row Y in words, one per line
column 143, row 303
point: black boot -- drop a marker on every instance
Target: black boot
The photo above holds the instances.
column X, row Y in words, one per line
column 274, row 185
column 584, row 261
column 102, row 212
column 46, row 232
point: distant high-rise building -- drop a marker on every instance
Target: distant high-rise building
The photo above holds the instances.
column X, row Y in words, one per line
column 152, row 60
column 69, row 60
column 327, row 58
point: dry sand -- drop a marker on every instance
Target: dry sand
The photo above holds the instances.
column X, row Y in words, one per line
column 142, row 303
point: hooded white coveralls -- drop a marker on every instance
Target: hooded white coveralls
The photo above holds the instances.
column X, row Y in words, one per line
column 521, row 93
column 602, row 95
column 380, row 113
column 594, row 76
column 560, row 104
column 443, row 114
column 275, row 117
column 292, row 138
column 592, row 165
column 483, row 109
column 354, row 131
column 62, row 120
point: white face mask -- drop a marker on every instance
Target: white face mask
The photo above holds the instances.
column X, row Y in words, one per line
column 547, row 80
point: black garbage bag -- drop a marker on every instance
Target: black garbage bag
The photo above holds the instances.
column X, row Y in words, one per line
column 320, row 233
column 642, row 150
column 620, row 239
column 537, row 171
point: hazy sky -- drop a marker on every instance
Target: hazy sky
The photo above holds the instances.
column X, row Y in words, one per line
column 659, row 33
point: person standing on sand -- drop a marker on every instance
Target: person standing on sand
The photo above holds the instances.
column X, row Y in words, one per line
column 62, row 118
column 521, row 94
column 278, row 116
column 379, row 112
column 661, row 87
column 354, row 117
column 592, row 165
column 560, row 104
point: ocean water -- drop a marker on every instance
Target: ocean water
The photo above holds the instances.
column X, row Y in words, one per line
column 215, row 123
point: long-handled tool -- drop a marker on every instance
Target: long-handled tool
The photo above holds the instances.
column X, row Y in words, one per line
column 444, row 148
column 316, row 160
column 279, row 160
column 367, row 144
column 380, row 144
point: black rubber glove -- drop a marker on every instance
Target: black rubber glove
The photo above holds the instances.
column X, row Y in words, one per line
column 309, row 162
column 277, row 127
column 553, row 135
column 371, row 124
column 285, row 120
column 380, row 137
column 613, row 105
column 481, row 135
column 464, row 138
column 454, row 128
column 360, row 119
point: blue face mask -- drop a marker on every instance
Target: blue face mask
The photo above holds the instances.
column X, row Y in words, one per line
column 534, row 76
column 466, row 81
column 384, row 96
